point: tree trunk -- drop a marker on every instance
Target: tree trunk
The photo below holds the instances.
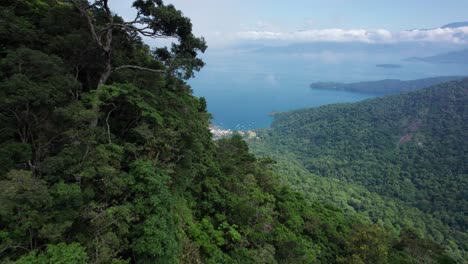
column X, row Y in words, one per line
column 102, row 81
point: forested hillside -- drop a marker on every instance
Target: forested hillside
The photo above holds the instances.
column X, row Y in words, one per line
column 106, row 156
column 411, row 149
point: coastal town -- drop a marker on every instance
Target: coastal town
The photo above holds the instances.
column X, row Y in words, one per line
column 218, row 132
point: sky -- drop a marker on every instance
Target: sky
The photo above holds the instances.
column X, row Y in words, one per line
column 259, row 46
column 224, row 22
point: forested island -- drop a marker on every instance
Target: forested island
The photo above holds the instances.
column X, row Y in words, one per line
column 107, row 157
column 384, row 87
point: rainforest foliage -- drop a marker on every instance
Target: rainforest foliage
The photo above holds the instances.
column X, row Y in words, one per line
column 106, row 156
column 409, row 151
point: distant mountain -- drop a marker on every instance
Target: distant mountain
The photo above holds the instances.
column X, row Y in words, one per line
column 388, row 86
column 459, row 57
column 388, row 66
column 456, row 25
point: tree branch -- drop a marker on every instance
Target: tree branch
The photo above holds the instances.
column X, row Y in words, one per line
column 84, row 13
column 138, row 68
column 128, row 26
column 12, row 246
column 106, row 7
column 107, row 48
column 134, row 20
column 107, row 123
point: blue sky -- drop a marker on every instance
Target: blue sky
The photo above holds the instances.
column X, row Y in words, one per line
column 224, row 22
column 393, row 15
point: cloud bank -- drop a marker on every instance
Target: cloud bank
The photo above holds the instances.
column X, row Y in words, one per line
column 451, row 35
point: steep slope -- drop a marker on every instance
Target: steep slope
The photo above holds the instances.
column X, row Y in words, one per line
column 411, row 147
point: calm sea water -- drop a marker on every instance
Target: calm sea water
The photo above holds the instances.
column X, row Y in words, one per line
column 242, row 90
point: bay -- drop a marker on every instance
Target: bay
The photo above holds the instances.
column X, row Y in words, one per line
column 242, row 89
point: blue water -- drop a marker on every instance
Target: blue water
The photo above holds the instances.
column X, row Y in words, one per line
column 241, row 89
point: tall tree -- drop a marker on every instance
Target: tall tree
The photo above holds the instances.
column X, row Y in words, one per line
column 153, row 20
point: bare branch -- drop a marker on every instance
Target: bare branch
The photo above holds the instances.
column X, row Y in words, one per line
column 135, row 20
column 107, row 48
column 90, row 6
column 89, row 20
column 107, row 123
column 31, row 165
column 143, row 31
column 138, row 68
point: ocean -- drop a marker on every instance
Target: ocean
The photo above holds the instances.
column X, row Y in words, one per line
column 242, row 89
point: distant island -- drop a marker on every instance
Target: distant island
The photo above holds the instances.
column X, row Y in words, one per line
column 458, row 57
column 389, row 66
column 382, row 87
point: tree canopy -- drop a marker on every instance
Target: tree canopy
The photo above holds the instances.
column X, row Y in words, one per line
column 409, row 149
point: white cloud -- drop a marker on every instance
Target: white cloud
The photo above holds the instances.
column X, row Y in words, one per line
column 453, row 35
